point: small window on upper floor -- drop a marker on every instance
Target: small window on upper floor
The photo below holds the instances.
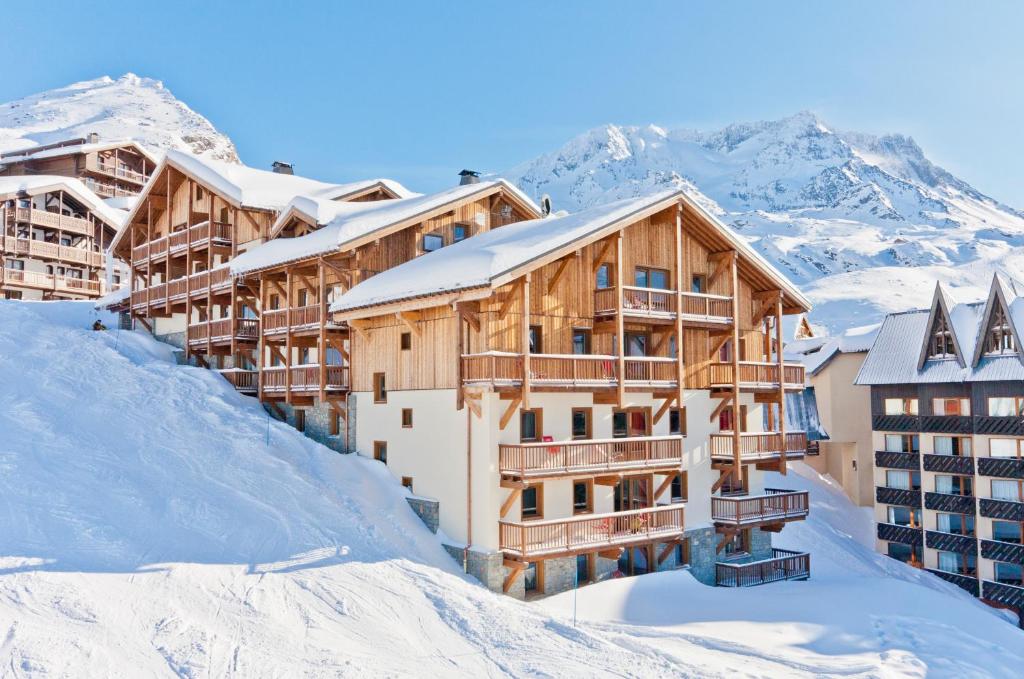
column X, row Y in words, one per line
column 406, row 341
column 603, row 278
column 432, row 242
column 901, row 406
column 699, row 283
column 677, row 421
column 380, row 390
column 200, row 194
column 951, row 406
column 999, row 339
column 460, row 232
column 1005, row 406
column 941, row 344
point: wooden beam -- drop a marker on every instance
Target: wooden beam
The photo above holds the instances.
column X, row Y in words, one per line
column 720, row 407
column 782, row 382
column 602, row 254
column 719, row 341
column 665, row 484
column 727, row 535
column 473, row 403
column 724, row 474
column 611, row 480
column 666, row 551
column 517, row 569
column 664, row 408
column 506, row 417
column 620, row 329
column 560, row 271
column 360, row 327
column 512, row 484
column 510, row 298
column 524, row 289
column 737, row 426
column 723, row 261
column 470, row 315
column 509, row 501
column 614, row 553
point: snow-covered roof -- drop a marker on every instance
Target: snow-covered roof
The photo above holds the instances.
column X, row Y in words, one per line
column 346, row 224
column 33, row 153
column 816, row 352
column 113, row 298
column 894, row 358
column 34, row 184
column 125, row 203
column 802, row 414
column 493, row 258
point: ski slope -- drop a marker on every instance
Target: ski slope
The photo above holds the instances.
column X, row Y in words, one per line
column 154, row 523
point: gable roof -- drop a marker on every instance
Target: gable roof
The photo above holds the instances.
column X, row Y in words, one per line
column 1000, row 293
column 492, row 259
column 941, row 304
column 52, row 151
column 815, row 353
column 35, row 184
column 349, row 225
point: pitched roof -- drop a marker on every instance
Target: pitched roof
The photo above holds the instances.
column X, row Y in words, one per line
column 815, row 353
column 34, row 184
column 49, row 151
column 347, row 225
column 492, row 259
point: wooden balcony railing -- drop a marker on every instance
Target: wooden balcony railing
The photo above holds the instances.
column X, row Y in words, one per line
column 648, row 301
column 54, row 220
column 784, row 565
column 199, row 234
column 121, row 172
column 304, row 378
column 696, row 306
column 525, row 460
column 43, row 250
column 568, row 370
column 528, row 539
column 655, row 303
column 245, row 381
column 223, row 330
column 759, row 445
column 45, row 281
column 774, row 506
column 108, row 190
column 756, row 375
column 298, row 318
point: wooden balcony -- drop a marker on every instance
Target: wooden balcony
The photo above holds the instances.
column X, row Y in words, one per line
column 120, row 172
column 297, row 319
column 38, row 249
column 551, row 459
column 201, row 235
column 757, row 376
column 223, row 330
column 784, row 565
column 568, row 371
column 245, row 381
column 109, row 190
column 563, row 537
column 48, row 282
column 758, row 446
column 662, row 306
column 54, row 220
column 305, row 379
column 774, row 507
column 201, row 284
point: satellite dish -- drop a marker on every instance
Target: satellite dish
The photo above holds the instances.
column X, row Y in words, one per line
column 545, row 205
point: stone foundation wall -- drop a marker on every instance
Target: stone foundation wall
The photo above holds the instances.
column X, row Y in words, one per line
column 428, row 510
column 487, row 567
column 318, row 426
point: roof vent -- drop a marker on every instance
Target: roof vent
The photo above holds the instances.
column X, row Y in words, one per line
column 469, row 177
column 92, row 138
column 545, row 205
column 283, row 168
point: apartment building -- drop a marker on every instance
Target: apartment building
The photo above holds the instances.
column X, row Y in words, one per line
column 947, row 414
column 54, row 234
column 109, row 168
column 579, row 397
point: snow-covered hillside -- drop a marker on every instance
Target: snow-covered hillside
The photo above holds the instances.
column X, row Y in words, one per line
column 155, row 523
column 127, row 108
column 826, row 206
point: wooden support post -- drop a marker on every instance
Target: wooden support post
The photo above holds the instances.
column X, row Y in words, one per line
column 516, row 569
column 509, row 412
column 288, row 338
column 664, row 408
column 260, row 344
column 560, row 271
column 665, row 484
column 620, row 323
column 723, row 474
column 513, row 495
column 525, row 290
column 509, row 299
column 321, row 349
column 681, row 286
column 782, row 382
column 735, row 355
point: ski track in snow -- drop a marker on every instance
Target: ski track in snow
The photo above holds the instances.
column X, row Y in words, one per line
column 148, row 530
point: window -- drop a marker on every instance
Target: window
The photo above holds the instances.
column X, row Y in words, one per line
column 531, row 502
column 407, row 418
column 1004, row 489
column 951, row 562
column 636, row 344
column 536, row 339
column 902, row 480
column 380, row 451
column 533, row 578
column 49, row 269
column 1007, row 531
column 677, row 421
column 699, row 283
column 1005, row 406
column 725, row 352
column 620, row 425
column 952, row 445
column 903, row 516
column 530, row 425
column 727, row 419
column 583, row 568
column 459, row 233
column 303, row 355
column 739, row 544
column 334, row 422
column 300, row 420
column 902, row 443
column 1004, row 447
column 16, row 264
column 65, row 242
column 407, row 482
column 581, row 423
column 999, row 339
column 941, row 343
column 603, row 278
column 275, row 302
column 646, row 277
column 1008, row 573
column 582, row 497
column 679, row 487
column 199, row 192
column 380, row 390
column 631, row 422
column 901, row 406
column 581, row 338
column 302, row 298
column 406, row 341
column 951, row 406
column 905, row 553
column 957, row 524
column 432, row 242
column 734, row 486
column 953, row 485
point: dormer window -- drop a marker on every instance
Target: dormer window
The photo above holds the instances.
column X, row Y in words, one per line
column 941, row 343
column 999, row 338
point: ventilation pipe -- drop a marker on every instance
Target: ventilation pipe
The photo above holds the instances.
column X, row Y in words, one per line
column 469, row 177
column 283, row 168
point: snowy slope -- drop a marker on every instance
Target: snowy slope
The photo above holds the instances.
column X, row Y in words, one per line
column 819, row 203
column 127, row 108
column 147, row 529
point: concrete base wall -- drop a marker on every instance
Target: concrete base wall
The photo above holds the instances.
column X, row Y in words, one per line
column 318, row 425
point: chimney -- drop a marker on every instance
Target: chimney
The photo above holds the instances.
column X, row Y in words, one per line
column 92, row 138
column 283, row 168
column 469, row 177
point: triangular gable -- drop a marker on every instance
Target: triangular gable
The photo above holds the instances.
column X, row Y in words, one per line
column 803, row 329
column 997, row 310
column 939, row 321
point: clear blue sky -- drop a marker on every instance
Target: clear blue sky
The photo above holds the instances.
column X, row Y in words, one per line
column 418, row 91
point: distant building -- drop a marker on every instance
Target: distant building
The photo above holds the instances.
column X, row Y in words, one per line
column 947, row 414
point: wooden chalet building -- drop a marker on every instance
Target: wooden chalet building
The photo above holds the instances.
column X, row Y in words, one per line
column 54, row 235
column 947, row 414
column 111, row 169
column 319, row 250
column 579, row 395
column 193, row 217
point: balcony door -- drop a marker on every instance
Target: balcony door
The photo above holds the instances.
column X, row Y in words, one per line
column 633, row 492
column 635, row 560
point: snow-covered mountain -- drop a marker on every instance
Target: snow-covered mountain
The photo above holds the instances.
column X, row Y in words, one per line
column 847, row 215
column 127, row 108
